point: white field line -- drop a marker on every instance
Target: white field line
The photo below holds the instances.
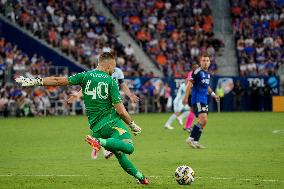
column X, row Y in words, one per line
column 41, row 175
column 226, row 178
column 278, row 131
column 212, row 178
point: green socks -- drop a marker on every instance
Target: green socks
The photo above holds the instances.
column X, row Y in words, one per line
column 128, row 166
column 120, row 149
column 139, row 176
column 114, row 145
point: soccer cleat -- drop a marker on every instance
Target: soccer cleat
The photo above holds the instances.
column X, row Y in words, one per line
column 199, row 146
column 93, row 142
column 191, row 143
column 145, row 181
column 180, row 121
column 107, row 154
column 187, row 130
column 94, row 154
column 169, row 127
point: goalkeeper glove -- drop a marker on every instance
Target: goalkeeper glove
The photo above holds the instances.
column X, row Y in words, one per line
column 27, row 82
column 134, row 128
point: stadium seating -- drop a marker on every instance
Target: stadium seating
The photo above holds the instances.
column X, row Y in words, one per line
column 75, row 28
column 173, row 33
column 15, row 100
column 259, row 32
column 20, row 63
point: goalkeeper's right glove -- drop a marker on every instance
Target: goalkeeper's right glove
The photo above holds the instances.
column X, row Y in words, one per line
column 27, row 82
column 134, row 128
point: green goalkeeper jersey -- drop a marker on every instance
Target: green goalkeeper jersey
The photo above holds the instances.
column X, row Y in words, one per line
column 100, row 92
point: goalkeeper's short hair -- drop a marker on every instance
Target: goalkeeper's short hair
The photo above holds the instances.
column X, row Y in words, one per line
column 106, row 56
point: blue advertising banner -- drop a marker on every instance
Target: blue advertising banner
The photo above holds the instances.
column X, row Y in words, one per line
column 257, row 92
column 254, row 96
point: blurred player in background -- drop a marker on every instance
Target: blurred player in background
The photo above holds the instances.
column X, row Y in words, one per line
column 119, row 77
column 199, row 89
column 180, row 110
column 190, row 118
column 104, row 110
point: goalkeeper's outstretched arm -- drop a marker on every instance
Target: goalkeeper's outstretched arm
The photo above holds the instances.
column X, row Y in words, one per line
column 55, row 81
column 47, row 81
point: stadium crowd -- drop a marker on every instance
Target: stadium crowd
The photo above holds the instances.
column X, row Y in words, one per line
column 75, row 28
column 155, row 95
column 18, row 101
column 172, row 32
column 15, row 100
column 39, row 101
column 259, row 32
column 18, row 62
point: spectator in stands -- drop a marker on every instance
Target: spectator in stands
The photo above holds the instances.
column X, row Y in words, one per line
column 129, row 51
column 267, row 98
column 254, row 97
column 23, row 105
column 3, row 104
column 238, row 93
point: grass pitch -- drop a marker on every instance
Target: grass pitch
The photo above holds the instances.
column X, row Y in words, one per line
column 244, row 150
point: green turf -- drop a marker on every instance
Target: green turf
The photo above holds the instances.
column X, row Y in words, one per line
column 242, row 152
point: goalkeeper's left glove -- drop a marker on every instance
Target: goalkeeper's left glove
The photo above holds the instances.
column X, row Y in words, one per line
column 135, row 128
column 26, row 82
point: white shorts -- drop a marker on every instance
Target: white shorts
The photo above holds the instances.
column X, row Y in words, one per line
column 179, row 107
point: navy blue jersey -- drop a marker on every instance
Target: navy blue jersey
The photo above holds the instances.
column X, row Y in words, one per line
column 201, row 80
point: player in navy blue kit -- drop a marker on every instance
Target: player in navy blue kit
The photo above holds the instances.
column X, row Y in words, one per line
column 199, row 88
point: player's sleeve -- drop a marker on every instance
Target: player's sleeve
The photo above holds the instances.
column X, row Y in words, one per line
column 194, row 75
column 120, row 76
column 120, row 81
column 114, row 93
column 189, row 75
column 77, row 79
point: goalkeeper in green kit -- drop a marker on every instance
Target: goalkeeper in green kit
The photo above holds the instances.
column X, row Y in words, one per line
column 104, row 110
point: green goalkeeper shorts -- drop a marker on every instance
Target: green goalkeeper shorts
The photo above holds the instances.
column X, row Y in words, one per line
column 116, row 130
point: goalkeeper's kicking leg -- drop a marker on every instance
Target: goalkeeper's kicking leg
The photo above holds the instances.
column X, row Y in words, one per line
column 119, row 148
column 128, row 166
column 120, row 144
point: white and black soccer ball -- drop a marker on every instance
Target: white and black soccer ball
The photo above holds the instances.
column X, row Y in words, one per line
column 184, row 175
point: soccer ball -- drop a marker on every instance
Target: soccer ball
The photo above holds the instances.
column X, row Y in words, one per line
column 184, row 175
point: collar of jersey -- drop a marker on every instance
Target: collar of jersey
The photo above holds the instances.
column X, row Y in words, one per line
column 101, row 71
